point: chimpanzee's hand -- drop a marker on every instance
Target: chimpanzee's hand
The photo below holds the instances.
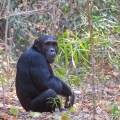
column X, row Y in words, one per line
column 69, row 101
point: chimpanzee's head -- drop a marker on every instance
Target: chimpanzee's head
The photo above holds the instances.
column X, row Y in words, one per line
column 47, row 45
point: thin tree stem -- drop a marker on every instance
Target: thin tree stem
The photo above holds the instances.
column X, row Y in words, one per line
column 92, row 56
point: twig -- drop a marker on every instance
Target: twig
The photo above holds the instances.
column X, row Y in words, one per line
column 20, row 13
column 6, row 31
column 92, row 56
column 24, row 13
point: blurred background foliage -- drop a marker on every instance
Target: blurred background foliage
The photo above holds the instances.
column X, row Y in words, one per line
column 67, row 20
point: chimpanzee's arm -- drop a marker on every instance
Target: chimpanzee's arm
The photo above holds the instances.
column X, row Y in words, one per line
column 66, row 91
column 41, row 76
column 42, row 79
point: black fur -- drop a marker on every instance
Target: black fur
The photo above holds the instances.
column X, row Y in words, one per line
column 35, row 81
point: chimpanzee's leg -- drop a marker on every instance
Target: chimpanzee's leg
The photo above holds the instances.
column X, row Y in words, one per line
column 47, row 101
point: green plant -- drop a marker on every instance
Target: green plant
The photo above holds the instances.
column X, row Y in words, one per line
column 2, row 80
column 14, row 110
column 65, row 115
column 73, row 54
column 36, row 114
column 54, row 101
column 115, row 112
column 73, row 49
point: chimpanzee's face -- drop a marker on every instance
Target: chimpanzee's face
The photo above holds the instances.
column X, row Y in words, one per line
column 50, row 49
column 48, row 46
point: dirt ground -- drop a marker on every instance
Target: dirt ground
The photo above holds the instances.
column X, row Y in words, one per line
column 82, row 110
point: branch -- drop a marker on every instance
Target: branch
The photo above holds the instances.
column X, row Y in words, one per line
column 92, row 56
column 23, row 13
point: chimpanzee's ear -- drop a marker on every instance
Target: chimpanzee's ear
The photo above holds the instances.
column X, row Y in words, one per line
column 36, row 42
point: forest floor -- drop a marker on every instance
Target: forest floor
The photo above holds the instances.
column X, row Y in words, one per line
column 83, row 107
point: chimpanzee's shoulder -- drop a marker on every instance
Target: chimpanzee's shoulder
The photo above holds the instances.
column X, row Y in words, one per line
column 31, row 52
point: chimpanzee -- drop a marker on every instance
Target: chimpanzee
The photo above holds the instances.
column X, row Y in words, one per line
column 36, row 83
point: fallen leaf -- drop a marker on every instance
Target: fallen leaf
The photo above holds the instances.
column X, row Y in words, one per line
column 11, row 95
column 4, row 116
column 114, row 74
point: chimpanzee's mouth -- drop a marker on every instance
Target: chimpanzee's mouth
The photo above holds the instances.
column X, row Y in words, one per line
column 50, row 59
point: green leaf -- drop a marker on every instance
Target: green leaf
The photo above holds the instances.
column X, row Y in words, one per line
column 14, row 111
column 117, row 113
column 72, row 109
column 2, row 80
column 115, row 108
column 5, row 17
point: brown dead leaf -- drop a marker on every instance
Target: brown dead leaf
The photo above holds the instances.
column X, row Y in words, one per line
column 63, row 118
column 107, row 110
column 114, row 74
column 4, row 116
column 9, row 101
column 83, row 91
column 3, row 47
column 118, row 99
column 12, row 88
column 11, row 95
column 99, row 105
column 89, row 106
